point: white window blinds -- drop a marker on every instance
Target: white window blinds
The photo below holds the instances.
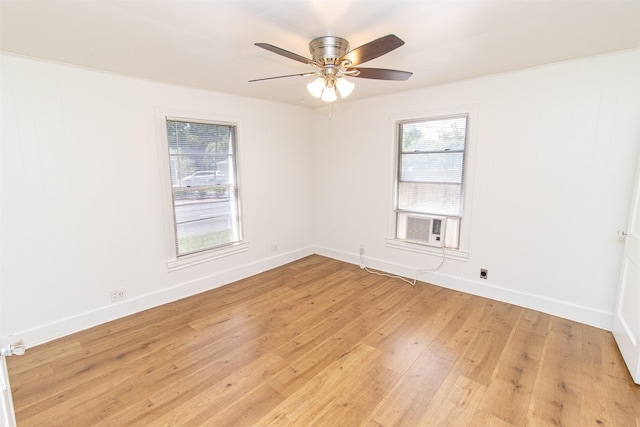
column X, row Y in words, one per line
column 431, row 166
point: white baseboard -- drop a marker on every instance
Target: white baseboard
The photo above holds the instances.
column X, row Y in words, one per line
column 72, row 324
column 69, row 325
column 563, row 309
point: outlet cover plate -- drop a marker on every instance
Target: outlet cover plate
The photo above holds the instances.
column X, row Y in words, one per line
column 118, row 294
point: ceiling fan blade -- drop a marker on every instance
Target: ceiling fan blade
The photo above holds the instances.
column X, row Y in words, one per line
column 372, row 50
column 382, row 74
column 281, row 77
column 285, row 53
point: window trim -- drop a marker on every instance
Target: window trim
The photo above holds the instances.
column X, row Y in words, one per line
column 457, row 254
column 471, row 111
column 173, row 261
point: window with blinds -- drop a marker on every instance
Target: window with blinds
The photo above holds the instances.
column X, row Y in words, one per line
column 203, row 167
column 430, row 174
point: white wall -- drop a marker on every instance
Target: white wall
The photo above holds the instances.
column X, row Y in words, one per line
column 82, row 208
column 555, row 155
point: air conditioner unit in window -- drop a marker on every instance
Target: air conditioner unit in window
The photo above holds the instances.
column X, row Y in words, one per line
column 426, row 229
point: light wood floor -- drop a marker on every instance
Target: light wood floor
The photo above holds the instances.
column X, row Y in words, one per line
column 322, row 343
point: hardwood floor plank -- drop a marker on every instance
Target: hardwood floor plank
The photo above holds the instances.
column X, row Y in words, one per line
column 247, row 411
column 220, row 395
column 319, row 321
column 455, row 404
column 322, row 342
column 593, row 400
column 309, row 400
column 558, row 386
column 410, row 397
column 401, row 337
column 481, row 358
column 338, row 335
column 509, row 394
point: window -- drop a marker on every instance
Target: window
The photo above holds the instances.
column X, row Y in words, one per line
column 430, row 178
column 203, row 168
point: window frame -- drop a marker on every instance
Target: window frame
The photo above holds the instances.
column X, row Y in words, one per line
column 462, row 252
column 175, row 261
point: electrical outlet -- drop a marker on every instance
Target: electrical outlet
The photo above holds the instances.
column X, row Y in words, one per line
column 484, row 273
column 361, row 249
column 274, row 247
column 118, row 294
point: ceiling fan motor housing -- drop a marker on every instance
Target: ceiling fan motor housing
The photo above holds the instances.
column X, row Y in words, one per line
column 326, row 50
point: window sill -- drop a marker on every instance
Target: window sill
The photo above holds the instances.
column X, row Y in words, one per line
column 429, row 250
column 200, row 258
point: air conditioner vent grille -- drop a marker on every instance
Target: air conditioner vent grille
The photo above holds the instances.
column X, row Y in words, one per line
column 426, row 230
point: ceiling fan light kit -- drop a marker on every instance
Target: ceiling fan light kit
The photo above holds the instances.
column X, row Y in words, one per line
column 332, row 62
column 326, row 89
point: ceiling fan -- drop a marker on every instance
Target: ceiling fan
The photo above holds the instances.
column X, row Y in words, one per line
column 333, row 61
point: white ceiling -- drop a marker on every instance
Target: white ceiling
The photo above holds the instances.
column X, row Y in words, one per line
column 210, row 44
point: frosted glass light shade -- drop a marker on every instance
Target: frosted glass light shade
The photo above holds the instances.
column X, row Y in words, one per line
column 345, row 87
column 315, row 87
column 321, row 88
column 329, row 94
